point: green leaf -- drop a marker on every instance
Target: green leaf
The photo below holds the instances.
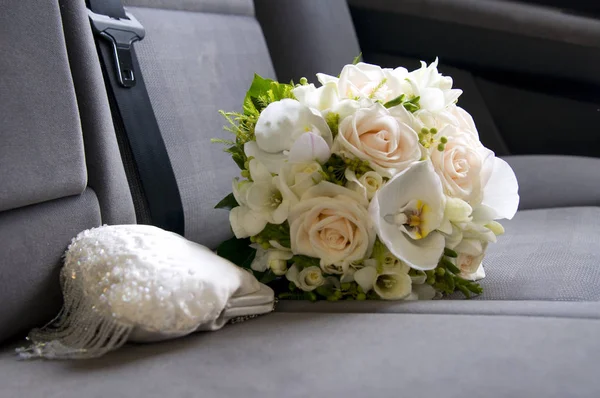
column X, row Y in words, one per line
column 267, row 277
column 450, row 266
column 228, row 202
column 357, row 59
column 238, row 251
column 395, row 102
column 450, row 253
column 305, row 261
column 279, row 233
column 333, row 121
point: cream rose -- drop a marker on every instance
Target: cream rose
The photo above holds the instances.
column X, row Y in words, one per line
column 464, row 165
column 332, row 223
column 374, row 135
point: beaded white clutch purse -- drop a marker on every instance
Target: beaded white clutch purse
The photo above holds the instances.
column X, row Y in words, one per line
column 141, row 283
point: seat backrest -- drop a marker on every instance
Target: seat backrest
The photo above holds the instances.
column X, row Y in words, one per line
column 58, row 176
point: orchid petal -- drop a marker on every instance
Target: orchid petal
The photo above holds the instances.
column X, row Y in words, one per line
column 501, row 193
column 308, row 148
column 419, row 182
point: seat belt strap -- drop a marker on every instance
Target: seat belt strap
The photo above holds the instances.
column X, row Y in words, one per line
column 116, row 30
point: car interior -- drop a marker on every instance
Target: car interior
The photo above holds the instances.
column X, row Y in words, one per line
column 529, row 72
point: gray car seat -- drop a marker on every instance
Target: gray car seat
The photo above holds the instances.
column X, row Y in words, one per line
column 198, row 57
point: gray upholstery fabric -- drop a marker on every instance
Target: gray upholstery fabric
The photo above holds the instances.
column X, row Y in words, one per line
column 556, row 181
column 195, row 64
column 507, row 16
column 546, row 254
column 580, row 310
column 105, row 169
column 307, row 36
column 337, row 355
column 33, row 239
column 239, row 7
column 465, row 40
column 41, row 151
column 545, row 123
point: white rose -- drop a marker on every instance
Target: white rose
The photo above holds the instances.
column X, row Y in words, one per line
column 434, row 89
column 279, row 125
column 307, row 280
column 374, row 135
column 464, row 166
column 367, row 185
column 273, row 259
column 332, row 223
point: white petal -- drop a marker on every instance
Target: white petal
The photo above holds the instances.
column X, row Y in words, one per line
column 272, row 161
column 424, row 292
column 292, row 274
column 432, row 99
column 259, row 172
column 475, row 276
column 348, row 276
column 324, row 79
column 260, row 262
column 245, row 222
column 365, row 278
column 419, row 279
column 330, row 190
column 308, row 148
column 501, row 193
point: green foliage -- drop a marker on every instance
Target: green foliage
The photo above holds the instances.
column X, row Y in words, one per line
column 227, row 203
column 411, row 104
column 446, row 277
column 279, row 233
column 357, row 59
column 333, row 121
column 305, row 261
column 261, row 93
column 238, row 251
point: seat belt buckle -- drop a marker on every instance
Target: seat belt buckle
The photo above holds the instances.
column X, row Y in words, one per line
column 121, row 33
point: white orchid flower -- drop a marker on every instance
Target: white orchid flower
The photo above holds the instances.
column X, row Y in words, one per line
column 279, row 125
column 406, row 213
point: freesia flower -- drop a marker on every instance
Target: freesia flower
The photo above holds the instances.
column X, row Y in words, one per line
column 367, row 185
column 273, row 259
column 407, row 211
column 388, row 284
column 307, row 280
column 434, row 89
column 261, row 201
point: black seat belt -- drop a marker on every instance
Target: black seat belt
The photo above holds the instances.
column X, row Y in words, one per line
column 116, row 31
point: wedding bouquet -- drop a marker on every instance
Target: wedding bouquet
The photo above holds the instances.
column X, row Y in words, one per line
column 374, row 185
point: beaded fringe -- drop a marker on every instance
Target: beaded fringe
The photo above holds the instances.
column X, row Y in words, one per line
column 78, row 332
